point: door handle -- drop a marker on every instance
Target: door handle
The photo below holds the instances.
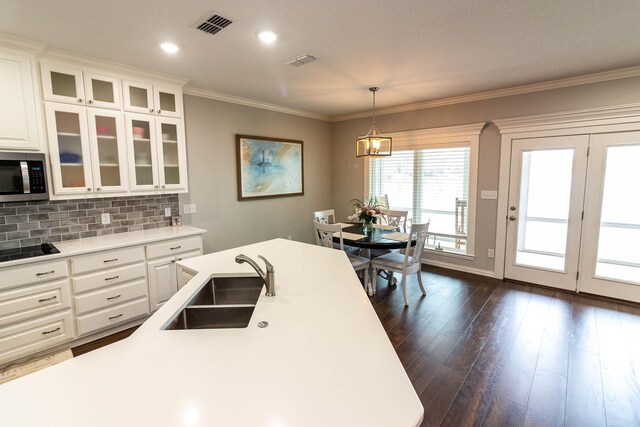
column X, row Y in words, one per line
column 512, row 218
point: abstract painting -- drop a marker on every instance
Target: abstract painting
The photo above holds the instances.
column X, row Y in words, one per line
column 268, row 167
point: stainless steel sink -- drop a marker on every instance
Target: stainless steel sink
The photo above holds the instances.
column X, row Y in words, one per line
column 229, row 290
column 225, row 302
column 213, row 317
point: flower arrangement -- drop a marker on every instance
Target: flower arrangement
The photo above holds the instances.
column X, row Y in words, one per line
column 365, row 212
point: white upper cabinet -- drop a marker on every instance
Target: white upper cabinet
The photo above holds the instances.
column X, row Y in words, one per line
column 140, row 97
column 88, row 149
column 71, row 85
column 18, row 111
column 157, row 153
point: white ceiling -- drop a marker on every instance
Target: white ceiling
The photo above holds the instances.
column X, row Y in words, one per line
column 415, row 50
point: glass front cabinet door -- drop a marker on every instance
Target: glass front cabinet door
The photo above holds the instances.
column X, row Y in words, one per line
column 108, row 150
column 69, row 148
column 146, row 98
column 75, row 86
column 142, row 150
column 171, row 154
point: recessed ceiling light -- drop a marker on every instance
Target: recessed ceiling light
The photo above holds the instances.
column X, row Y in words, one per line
column 267, row 37
column 169, row 47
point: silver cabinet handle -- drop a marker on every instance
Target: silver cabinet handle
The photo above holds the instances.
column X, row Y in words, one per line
column 155, row 186
column 512, row 218
column 47, row 299
column 159, row 111
column 163, row 186
column 51, row 331
column 151, row 110
column 175, row 247
column 44, row 273
column 80, row 101
column 114, row 297
column 110, row 260
column 88, row 189
column 115, row 317
column 90, row 101
column 99, row 188
column 111, row 278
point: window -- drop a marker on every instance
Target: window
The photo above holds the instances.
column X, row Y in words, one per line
column 432, row 174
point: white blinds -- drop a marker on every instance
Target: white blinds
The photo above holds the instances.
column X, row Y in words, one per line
column 426, row 182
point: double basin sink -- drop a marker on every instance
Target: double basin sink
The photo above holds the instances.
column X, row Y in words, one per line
column 223, row 302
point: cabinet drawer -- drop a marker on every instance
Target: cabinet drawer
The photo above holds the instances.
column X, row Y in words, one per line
column 172, row 247
column 32, row 301
column 106, row 259
column 32, row 273
column 111, row 296
column 34, row 335
column 112, row 316
column 113, row 276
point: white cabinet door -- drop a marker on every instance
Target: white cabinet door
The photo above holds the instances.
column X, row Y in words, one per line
column 102, row 91
column 62, row 84
column 168, row 101
column 138, row 97
column 18, row 113
column 163, row 281
column 172, row 155
column 69, row 148
column 143, row 152
column 108, row 150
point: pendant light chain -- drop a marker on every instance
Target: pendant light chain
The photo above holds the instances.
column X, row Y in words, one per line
column 374, row 106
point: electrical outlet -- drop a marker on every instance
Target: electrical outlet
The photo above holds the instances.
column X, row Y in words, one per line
column 490, row 253
column 106, row 218
column 167, row 211
column 188, row 209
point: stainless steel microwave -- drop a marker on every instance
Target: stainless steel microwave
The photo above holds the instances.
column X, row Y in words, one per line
column 23, row 177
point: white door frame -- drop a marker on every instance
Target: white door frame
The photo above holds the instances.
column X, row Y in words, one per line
column 578, row 122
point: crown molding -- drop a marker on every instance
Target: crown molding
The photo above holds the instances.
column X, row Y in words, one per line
column 498, row 93
column 448, row 132
column 18, row 43
column 599, row 116
column 202, row 93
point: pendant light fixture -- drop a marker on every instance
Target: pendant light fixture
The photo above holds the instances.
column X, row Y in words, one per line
column 373, row 144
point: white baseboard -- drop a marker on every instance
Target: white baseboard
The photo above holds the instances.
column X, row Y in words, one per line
column 477, row 271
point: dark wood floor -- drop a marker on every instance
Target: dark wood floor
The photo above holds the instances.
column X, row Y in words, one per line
column 485, row 352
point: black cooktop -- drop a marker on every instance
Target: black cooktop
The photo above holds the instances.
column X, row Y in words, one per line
column 28, row 252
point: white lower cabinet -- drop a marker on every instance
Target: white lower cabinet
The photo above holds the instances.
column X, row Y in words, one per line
column 31, row 336
column 162, row 269
column 43, row 306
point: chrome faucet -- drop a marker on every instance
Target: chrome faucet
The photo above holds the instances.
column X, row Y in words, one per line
column 268, row 278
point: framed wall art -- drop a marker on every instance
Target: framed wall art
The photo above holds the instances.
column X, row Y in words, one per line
column 268, row 167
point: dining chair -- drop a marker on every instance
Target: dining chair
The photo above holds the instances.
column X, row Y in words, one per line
column 327, row 216
column 395, row 218
column 383, row 201
column 407, row 263
column 324, row 237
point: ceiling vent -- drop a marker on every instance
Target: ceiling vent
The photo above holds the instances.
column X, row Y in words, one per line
column 300, row 60
column 214, row 24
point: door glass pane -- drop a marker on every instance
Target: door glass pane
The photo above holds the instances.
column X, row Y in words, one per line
column 170, row 153
column 142, row 152
column 108, row 156
column 70, row 147
column 102, row 90
column 543, row 210
column 63, row 84
column 619, row 234
column 138, row 97
column 167, row 101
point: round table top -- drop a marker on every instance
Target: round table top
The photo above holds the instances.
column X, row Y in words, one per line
column 373, row 238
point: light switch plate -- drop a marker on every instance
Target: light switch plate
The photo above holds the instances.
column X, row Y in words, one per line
column 167, row 211
column 188, row 209
column 489, row 194
column 106, row 218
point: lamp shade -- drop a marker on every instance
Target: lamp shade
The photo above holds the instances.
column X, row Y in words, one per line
column 373, row 144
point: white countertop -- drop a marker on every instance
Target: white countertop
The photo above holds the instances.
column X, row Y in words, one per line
column 111, row 241
column 324, row 360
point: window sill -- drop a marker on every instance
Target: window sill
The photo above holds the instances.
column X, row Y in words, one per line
column 444, row 253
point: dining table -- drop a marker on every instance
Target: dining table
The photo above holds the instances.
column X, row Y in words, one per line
column 376, row 237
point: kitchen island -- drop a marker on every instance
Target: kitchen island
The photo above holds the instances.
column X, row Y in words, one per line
column 324, row 359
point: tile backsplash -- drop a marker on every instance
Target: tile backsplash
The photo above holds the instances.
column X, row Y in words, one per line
column 31, row 223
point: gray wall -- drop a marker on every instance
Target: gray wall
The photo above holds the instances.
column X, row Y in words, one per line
column 211, row 128
column 348, row 177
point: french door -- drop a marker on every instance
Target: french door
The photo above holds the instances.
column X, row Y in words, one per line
column 546, row 193
column 574, row 213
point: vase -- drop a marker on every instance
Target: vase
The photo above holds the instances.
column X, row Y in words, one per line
column 368, row 224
